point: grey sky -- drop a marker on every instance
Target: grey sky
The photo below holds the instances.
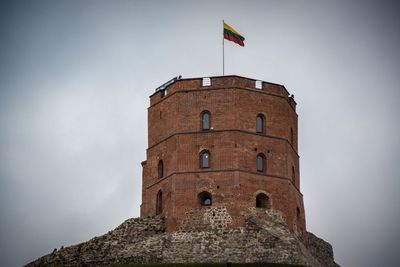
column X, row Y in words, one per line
column 75, row 77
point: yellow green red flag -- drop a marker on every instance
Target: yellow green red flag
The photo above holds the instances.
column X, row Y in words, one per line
column 232, row 35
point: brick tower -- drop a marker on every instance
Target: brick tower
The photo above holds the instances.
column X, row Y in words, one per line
column 221, row 145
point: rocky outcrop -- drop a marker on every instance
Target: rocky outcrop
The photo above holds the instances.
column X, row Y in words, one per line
column 265, row 238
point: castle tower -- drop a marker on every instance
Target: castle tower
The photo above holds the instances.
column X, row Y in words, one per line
column 225, row 144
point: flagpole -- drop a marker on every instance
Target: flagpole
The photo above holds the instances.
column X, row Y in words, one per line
column 223, row 52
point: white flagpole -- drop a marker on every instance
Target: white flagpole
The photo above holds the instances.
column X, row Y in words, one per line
column 223, row 52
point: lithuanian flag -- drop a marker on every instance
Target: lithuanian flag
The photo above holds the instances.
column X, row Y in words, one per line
column 232, row 35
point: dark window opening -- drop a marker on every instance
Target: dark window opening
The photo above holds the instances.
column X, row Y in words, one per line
column 205, row 120
column 262, row 201
column 260, row 124
column 160, row 169
column 159, row 203
column 205, row 159
column 291, row 136
column 205, row 199
column 261, row 162
column 293, row 174
column 298, row 212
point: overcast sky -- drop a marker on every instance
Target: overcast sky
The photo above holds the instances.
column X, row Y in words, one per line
column 75, row 77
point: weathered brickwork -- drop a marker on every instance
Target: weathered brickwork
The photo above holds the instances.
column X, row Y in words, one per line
column 265, row 237
column 176, row 138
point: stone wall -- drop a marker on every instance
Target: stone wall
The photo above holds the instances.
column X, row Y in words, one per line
column 212, row 218
column 111, row 247
column 265, row 238
column 321, row 250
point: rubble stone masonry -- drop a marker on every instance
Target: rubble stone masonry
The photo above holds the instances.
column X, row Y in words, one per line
column 265, row 237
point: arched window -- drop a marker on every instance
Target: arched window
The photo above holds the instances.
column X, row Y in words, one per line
column 205, row 120
column 205, row 199
column 298, row 213
column 262, row 201
column 205, row 159
column 160, row 169
column 159, row 203
column 291, row 136
column 260, row 124
column 261, row 162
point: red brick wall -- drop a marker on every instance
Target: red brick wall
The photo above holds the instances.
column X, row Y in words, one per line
column 175, row 136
